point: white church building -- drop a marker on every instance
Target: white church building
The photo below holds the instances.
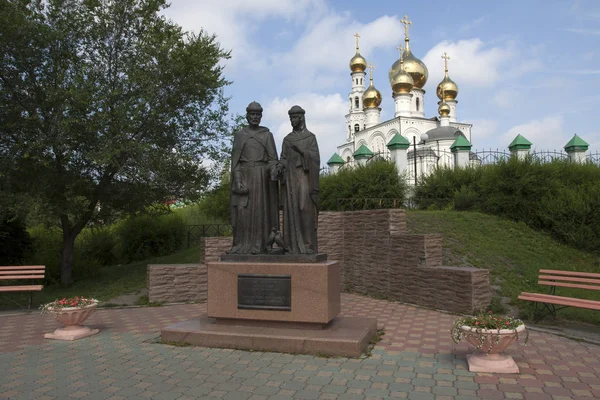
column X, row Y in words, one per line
column 367, row 137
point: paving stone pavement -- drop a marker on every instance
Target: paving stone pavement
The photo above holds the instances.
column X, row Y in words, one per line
column 416, row 359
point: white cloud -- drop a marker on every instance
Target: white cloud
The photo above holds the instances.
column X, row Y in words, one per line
column 483, row 129
column 324, row 118
column 505, row 98
column 547, row 133
column 473, row 63
column 469, row 26
column 234, row 21
column 585, row 32
column 329, row 44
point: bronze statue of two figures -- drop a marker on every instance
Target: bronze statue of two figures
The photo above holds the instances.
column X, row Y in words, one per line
column 260, row 181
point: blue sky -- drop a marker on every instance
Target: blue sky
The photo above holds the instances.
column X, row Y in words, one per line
column 530, row 67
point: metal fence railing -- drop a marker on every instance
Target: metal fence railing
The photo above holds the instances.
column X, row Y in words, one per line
column 195, row 232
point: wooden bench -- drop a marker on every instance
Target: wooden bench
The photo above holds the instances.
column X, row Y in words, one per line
column 25, row 272
column 557, row 278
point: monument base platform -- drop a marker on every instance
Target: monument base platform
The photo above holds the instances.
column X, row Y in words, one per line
column 275, row 258
column 343, row 336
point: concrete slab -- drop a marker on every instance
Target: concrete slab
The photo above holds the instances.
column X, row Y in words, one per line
column 343, row 336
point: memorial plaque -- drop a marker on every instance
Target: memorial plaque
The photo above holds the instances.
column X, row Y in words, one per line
column 265, row 292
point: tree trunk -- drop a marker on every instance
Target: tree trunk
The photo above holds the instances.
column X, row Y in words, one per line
column 66, row 259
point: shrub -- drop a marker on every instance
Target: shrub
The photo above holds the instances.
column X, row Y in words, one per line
column 216, row 203
column 46, row 249
column 143, row 236
column 438, row 190
column 97, row 245
column 376, row 185
column 15, row 241
column 560, row 197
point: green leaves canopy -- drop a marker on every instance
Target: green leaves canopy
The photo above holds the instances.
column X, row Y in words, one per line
column 106, row 106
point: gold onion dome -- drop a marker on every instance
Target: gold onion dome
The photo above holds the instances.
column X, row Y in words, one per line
column 447, row 88
column 444, row 109
column 371, row 97
column 402, row 82
column 358, row 62
column 415, row 67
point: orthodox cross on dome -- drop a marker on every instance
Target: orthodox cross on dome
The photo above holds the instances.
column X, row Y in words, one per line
column 406, row 23
column 371, row 68
column 356, row 35
column 446, row 57
column 400, row 48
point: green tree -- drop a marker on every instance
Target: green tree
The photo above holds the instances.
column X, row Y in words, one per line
column 105, row 106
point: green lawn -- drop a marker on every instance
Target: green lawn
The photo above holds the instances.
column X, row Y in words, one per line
column 110, row 282
column 512, row 252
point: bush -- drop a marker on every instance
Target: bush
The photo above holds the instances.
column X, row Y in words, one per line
column 15, row 241
column 97, row 245
column 376, row 185
column 216, row 202
column 46, row 249
column 560, row 197
column 143, row 236
column 438, row 190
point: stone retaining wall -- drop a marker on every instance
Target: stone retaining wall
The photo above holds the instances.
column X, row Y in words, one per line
column 378, row 258
column 174, row 283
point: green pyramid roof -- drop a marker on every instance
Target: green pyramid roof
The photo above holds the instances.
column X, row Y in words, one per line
column 335, row 159
column 398, row 142
column 461, row 143
column 576, row 143
column 519, row 142
column 363, row 152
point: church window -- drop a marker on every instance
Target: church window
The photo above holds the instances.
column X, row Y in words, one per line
column 349, row 129
column 417, row 104
column 356, row 104
column 356, row 128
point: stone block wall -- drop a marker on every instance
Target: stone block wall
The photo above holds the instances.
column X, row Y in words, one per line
column 377, row 256
column 174, row 283
column 211, row 248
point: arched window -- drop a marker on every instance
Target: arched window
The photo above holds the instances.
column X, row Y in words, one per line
column 356, row 128
column 349, row 129
column 361, row 81
column 356, row 104
column 348, row 159
column 417, row 104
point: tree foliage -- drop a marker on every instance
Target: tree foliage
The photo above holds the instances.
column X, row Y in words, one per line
column 105, row 106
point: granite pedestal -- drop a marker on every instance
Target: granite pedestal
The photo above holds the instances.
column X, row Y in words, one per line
column 267, row 315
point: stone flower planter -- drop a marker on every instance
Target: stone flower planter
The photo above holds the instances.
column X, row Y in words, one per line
column 489, row 345
column 72, row 318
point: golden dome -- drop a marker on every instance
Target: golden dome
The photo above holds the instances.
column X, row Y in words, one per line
column 447, row 88
column 402, row 82
column 415, row 67
column 358, row 63
column 371, row 97
column 443, row 109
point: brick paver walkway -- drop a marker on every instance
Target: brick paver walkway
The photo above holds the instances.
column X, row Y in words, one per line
column 416, row 359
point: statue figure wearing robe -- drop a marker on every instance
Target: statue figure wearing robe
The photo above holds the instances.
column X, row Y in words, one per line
column 300, row 186
column 253, row 195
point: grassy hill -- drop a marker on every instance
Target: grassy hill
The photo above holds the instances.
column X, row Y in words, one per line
column 513, row 252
